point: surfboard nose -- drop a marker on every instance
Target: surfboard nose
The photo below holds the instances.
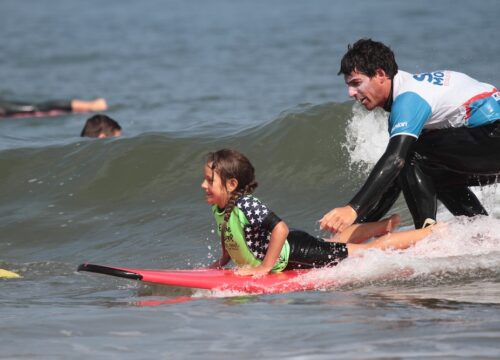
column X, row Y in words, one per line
column 107, row 270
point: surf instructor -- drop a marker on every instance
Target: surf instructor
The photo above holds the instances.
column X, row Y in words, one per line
column 444, row 137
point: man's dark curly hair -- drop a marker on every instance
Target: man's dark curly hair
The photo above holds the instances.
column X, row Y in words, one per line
column 366, row 56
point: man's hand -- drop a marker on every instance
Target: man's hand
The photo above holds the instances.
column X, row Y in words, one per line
column 338, row 219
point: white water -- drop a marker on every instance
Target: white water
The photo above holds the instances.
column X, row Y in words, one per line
column 461, row 248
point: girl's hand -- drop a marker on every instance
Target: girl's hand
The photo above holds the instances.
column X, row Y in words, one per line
column 214, row 265
column 223, row 260
column 257, row 271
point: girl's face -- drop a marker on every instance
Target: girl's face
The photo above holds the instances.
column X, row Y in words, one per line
column 216, row 193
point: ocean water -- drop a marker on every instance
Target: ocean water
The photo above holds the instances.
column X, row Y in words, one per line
column 187, row 77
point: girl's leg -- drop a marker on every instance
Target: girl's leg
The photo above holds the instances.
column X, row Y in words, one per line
column 358, row 233
column 398, row 241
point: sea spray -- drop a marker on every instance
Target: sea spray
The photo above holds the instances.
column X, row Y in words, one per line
column 366, row 138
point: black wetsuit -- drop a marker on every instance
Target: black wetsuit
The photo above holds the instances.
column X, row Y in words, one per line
column 16, row 108
column 437, row 163
column 307, row 251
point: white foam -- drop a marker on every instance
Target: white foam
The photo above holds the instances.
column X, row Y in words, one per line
column 465, row 247
column 366, row 137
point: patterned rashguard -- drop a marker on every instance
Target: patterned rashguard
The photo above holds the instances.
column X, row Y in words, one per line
column 248, row 233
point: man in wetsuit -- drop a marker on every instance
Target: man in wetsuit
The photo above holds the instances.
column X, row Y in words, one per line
column 444, row 137
column 26, row 109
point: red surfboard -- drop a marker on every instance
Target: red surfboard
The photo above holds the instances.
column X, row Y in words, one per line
column 212, row 279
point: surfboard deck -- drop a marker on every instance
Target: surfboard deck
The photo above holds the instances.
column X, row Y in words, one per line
column 211, row 279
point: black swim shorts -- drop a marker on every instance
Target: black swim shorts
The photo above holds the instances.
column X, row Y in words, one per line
column 307, row 251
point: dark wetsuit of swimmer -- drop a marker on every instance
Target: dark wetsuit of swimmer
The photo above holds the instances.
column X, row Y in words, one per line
column 15, row 108
column 432, row 155
column 248, row 233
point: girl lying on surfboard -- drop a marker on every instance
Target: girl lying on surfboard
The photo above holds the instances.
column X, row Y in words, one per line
column 258, row 241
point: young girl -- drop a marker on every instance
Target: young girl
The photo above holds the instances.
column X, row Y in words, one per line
column 258, row 241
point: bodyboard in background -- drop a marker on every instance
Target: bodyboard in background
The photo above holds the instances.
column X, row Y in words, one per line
column 212, row 279
column 7, row 274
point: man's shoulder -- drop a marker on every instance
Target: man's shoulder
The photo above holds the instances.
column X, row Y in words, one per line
column 426, row 85
column 404, row 80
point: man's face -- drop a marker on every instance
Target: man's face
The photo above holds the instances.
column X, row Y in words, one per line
column 369, row 91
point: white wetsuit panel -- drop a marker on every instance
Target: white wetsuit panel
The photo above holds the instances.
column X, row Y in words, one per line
column 440, row 99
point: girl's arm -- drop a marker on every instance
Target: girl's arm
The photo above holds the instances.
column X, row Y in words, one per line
column 223, row 260
column 278, row 238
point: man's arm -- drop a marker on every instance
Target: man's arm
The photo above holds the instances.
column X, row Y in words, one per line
column 278, row 238
column 385, row 171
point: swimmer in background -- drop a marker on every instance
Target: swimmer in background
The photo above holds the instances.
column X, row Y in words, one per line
column 259, row 242
column 50, row 108
column 101, row 126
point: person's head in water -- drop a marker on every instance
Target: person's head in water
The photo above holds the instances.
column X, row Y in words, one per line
column 101, row 126
column 368, row 67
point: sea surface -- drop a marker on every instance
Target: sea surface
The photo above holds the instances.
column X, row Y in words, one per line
column 187, row 77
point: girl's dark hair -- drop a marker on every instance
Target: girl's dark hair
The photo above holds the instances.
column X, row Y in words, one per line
column 367, row 56
column 231, row 164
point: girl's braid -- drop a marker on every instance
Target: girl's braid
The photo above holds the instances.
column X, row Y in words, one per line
column 231, row 164
column 232, row 203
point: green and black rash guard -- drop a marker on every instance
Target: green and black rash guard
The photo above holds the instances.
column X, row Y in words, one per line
column 248, row 232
